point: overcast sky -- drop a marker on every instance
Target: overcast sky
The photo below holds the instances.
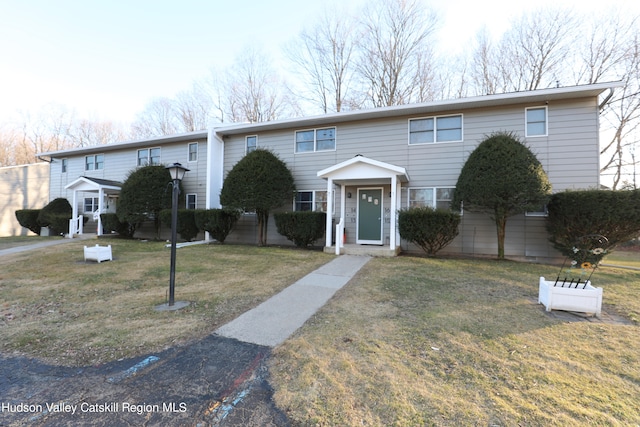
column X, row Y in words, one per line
column 106, row 59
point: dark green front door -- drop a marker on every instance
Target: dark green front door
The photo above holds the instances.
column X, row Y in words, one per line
column 370, row 216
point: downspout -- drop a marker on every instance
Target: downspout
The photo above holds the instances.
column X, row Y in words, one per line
column 604, row 102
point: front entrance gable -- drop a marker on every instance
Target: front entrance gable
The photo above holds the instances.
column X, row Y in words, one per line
column 90, row 185
column 368, row 176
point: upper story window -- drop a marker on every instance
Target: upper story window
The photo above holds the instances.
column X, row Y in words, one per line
column 193, row 152
column 435, row 129
column 438, row 198
column 536, row 121
column 149, row 156
column 65, row 165
column 251, row 143
column 315, row 140
column 311, row 201
column 95, row 162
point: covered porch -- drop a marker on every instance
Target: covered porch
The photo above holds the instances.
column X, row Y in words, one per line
column 107, row 192
column 370, row 196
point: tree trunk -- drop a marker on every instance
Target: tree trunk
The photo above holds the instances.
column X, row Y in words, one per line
column 501, row 225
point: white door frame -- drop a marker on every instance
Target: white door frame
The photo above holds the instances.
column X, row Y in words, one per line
column 381, row 219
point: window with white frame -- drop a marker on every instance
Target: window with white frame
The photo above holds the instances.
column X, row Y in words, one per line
column 193, row 152
column 311, row 201
column 95, row 162
column 311, row 140
column 251, row 143
column 65, row 165
column 435, row 129
column 438, row 198
column 536, row 119
column 149, row 156
column 192, row 201
column 540, row 211
column 91, row 204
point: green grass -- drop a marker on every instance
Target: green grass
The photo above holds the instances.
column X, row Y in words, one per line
column 624, row 258
column 414, row 341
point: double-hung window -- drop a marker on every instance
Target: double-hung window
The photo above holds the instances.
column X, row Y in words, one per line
column 90, row 204
column 192, row 201
column 316, row 140
column 435, row 129
column 65, row 165
column 149, row 156
column 437, row 198
column 251, row 143
column 536, row 119
column 311, row 201
column 95, row 162
column 192, row 152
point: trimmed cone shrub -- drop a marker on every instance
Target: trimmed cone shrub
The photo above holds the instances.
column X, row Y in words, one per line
column 186, row 222
column 28, row 218
column 56, row 216
column 218, row 222
column 574, row 214
column 302, row 228
column 431, row 229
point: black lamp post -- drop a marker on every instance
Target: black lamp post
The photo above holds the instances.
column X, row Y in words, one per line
column 177, row 172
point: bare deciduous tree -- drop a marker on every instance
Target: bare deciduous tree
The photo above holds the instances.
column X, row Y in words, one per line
column 158, row 118
column 395, row 51
column 323, row 59
column 251, row 91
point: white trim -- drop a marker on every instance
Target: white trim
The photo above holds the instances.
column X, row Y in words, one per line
column 546, row 121
column 186, row 200
column 435, row 129
column 315, row 140
column 246, row 147
column 197, row 144
column 381, row 219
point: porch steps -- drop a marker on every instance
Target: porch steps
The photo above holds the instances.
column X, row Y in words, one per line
column 369, row 250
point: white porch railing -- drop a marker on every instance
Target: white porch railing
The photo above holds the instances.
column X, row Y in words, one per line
column 339, row 236
column 75, row 226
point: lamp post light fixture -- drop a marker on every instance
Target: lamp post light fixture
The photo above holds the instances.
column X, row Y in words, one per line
column 177, row 172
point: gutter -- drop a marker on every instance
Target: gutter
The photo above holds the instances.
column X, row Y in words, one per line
column 604, row 102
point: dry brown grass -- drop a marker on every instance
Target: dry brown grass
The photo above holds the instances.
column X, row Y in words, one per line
column 413, row 341
column 59, row 308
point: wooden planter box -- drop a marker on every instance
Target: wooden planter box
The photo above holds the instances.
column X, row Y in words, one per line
column 582, row 299
column 98, row 253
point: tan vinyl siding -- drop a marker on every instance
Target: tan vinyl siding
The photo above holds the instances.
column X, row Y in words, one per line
column 569, row 155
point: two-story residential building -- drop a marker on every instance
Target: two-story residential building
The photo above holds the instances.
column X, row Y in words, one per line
column 362, row 167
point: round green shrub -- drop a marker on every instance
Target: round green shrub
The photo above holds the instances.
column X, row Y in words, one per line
column 302, row 228
column 431, row 229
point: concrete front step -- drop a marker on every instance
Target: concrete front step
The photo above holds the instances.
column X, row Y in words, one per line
column 369, row 250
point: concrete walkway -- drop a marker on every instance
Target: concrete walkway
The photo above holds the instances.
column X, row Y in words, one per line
column 273, row 321
column 44, row 244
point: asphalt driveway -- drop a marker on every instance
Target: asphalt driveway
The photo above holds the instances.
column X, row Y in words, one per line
column 217, row 381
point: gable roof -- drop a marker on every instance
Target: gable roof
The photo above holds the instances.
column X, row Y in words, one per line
column 502, row 99
column 134, row 144
column 360, row 168
column 85, row 183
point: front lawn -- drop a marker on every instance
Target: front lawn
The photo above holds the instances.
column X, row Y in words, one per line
column 57, row 307
column 415, row 341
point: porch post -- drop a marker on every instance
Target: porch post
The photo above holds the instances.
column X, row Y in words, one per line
column 328, row 228
column 100, row 210
column 74, row 214
column 392, row 214
column 398, row 207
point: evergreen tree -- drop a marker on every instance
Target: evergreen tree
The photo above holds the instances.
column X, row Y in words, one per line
column 501, row 178
column 259, row 182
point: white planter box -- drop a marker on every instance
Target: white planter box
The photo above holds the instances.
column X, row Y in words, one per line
column 98, row 253
column 583, row 300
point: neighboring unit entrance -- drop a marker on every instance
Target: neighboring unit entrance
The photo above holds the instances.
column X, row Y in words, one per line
column 369, row 216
